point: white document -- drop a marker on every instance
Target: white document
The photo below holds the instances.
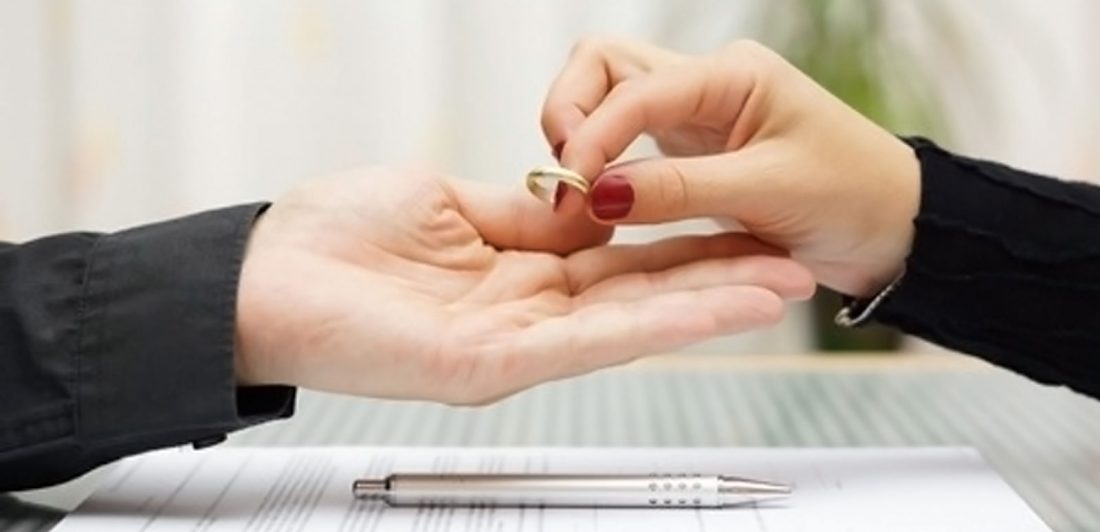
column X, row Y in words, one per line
column 289, row 489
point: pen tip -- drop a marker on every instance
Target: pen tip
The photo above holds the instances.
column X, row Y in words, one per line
column 756, row 489
column 369, row 488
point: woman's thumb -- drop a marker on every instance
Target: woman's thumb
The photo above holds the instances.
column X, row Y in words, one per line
column 668, row 189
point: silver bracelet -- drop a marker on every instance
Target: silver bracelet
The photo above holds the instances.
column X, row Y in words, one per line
column 863, row 311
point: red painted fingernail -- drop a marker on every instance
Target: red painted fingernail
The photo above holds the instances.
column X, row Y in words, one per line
column 559, row 194
column 557, row 150
column 612, row 197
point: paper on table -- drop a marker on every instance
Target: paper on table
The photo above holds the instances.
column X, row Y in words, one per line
column 851, row 490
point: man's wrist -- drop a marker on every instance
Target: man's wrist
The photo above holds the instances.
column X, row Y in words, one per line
column 158, row 325
column 243, row 349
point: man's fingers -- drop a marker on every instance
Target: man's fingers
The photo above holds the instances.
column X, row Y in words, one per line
column 784, row 277
column 608, row 334
column 511, row 218
column 591, row 266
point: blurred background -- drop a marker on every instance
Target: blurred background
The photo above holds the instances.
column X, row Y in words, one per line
column 118, row 113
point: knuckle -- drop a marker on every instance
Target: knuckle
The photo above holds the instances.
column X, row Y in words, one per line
column 623, row 88
column 672, row 189
column 750, row 55
column 589, row 45
column 548, row 120
column 746, row 47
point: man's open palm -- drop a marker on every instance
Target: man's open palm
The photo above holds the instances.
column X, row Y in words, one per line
column 410, row 285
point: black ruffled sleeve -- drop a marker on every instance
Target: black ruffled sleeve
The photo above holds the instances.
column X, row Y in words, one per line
column 1005, row 265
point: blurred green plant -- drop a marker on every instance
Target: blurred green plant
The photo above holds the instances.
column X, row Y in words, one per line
column 852, row 48
column 855, row 50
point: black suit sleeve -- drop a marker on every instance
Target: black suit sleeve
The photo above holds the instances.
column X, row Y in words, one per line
column 113, row 344
column 1005, row 265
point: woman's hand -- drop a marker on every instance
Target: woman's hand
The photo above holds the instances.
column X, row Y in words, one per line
column 749, row 139
column 415, row 286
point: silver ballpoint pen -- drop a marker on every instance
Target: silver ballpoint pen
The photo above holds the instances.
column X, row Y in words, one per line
column 573, row 491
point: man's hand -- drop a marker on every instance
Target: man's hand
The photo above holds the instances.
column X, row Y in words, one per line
column 416, row 286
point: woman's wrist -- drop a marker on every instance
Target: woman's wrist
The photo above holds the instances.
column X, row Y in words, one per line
column 892, row 235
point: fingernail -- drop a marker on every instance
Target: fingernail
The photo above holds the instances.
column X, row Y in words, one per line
column 557, row 150
column 559, row 194
column 612, row 197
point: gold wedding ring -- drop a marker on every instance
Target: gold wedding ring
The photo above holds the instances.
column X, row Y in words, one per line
column 543, row 182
